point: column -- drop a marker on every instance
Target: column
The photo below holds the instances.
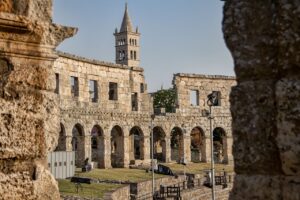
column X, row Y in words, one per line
column 187, row 148
column 126, row 148
column 167, row 149
column 107, row 152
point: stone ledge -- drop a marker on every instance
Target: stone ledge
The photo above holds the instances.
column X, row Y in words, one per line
column 205, row 76
column 97, row 62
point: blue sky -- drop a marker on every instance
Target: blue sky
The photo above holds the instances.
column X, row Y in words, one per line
column 177, row 36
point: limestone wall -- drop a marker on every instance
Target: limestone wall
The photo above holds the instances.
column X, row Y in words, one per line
column 263, row 37
column 129, row 80
column 29, row 112
column 106, row 114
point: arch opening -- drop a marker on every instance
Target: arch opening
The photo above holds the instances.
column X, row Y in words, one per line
column 78, row 144
column 177, row 144
column 159, row 144
column 136, row 144
column 97, row 146
column 61, row 145
column 198, row 145
column 117, row 147
column 220, row 145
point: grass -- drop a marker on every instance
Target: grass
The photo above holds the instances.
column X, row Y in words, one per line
column 198, row 168
column 133, row 175
column 88, row 190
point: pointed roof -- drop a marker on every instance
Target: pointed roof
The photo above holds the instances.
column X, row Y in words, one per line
column 126, row 23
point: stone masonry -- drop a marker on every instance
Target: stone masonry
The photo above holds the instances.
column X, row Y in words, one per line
column 264, row 39
column 29, row 111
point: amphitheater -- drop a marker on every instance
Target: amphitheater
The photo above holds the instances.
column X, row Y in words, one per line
column 109, row 119
column 107, row 112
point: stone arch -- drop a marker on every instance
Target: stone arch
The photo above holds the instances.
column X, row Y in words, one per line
column 198, row 145
column 177, row 144
column 159, row 144
column 117, row 146
column 97, row 146
column 220, row 145
column 61, row 145
column 78, row 144
column 136, row 144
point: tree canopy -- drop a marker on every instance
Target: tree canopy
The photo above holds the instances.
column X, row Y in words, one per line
column 165, row 98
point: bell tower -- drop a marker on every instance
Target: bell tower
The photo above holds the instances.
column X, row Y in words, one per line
column 127, row 43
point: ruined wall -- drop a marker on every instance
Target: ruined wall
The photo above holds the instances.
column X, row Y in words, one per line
column 127, row 78
column 263, row 37
column 106, row 114
column 29, row 109
column 204, row 85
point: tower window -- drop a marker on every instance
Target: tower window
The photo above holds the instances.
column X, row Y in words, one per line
column 218, row 98
column 93, row 90
column 56, row 83
column 74, row 86
column 134, row 102
column 134, row 55
column 113, row 91
column 123, row 55
column 194, row 97
column 142, row 88
column 120, row 55
column 131, row 55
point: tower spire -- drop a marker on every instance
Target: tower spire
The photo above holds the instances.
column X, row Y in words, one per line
column 126, row 23
column 127, row 43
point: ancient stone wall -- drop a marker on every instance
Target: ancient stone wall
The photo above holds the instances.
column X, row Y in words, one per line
column 263, row 37
column 112, row 134
column 29, row 112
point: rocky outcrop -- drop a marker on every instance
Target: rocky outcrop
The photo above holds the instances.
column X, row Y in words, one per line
column 264, row 37
column 29, row 109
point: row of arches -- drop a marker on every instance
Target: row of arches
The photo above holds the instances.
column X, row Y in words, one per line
column 136, row 147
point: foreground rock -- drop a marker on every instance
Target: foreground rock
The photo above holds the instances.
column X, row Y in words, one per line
column 28, row 111
column 263, row 37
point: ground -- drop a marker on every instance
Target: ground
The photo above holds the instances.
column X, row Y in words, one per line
column 124, row 174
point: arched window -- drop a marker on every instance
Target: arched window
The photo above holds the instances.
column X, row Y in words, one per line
column 131, row 55
column 134, row 55
column 120, row 55
column 124, row 55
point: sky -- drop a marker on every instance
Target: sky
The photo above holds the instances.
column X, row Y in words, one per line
column 177, row 36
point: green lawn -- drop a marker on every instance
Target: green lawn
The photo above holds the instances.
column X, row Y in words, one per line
column 198, row 168
column 88, row 190
column 133, row 175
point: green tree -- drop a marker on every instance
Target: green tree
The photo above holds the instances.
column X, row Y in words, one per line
column 165, row 98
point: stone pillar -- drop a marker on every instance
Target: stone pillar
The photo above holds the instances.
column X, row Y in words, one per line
column 68, row 138
column 88, row 146
column 126, row 148
column 187, row 148
column 147, row 150
column 229, row 158
column 207, row 155
column 107, row 152
column 263, row 37
column 69, row 143
column 29, row 109
column 167, row 149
